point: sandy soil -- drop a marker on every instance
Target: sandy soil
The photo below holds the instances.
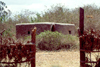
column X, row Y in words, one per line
column 57, row 59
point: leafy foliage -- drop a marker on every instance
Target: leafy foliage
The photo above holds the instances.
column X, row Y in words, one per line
column 4, row 13
column 25, row 16
column 54, row 41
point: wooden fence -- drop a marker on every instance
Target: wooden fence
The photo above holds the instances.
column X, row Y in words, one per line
column 89, row 45
column 13, row 54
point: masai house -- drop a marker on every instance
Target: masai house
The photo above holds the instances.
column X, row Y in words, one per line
column 24, row 29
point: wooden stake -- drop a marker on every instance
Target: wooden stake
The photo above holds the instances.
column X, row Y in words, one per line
column 33, row 48
column 33, row 35
column 81, row 30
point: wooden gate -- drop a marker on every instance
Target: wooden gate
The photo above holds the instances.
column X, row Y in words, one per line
column 17, row 54
column 89, row 45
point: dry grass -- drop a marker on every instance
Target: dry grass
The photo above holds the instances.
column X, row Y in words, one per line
column 62, row 58
column 57, row 59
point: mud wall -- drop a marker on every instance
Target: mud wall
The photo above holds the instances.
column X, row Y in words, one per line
column 25, row 29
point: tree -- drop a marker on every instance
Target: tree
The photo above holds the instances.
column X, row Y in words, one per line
column 4, row 12
column 24, row 16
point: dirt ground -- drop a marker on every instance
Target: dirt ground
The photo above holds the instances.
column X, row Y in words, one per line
column 62, row 58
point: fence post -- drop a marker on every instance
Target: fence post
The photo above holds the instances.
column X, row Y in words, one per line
column 81, row 29
column 33, row 35
column 33, row 40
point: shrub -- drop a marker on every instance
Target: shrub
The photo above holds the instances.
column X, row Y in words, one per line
column 8, row 33
column 48, row 40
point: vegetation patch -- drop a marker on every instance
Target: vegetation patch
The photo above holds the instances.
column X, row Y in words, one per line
column 48, row 40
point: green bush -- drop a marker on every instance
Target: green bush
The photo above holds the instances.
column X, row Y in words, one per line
column 48, row 40
column 8, row 33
